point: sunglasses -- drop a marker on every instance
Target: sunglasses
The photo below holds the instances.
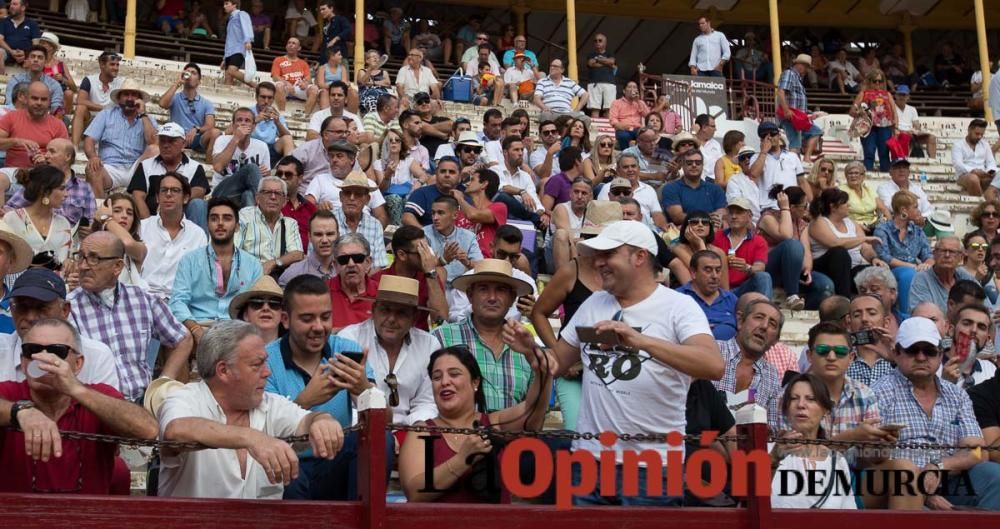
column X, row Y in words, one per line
column 549, row 132
column 927, row 350
column 258, row 303
column 978, row 246
column 621, row 192
column 840, row 350
column 699, row 222
column 476, row 150
column 358, row 258
column 607, row 145
column 61, row 350
column 393, row 383
column 990, row 214
column 773, row 133
column 285, row 174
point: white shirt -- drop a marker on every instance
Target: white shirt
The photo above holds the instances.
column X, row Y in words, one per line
column 905, row 118
column 324, row 187
column 472, row 52
column 409, row 81
column 654, row 399
column 847, row 66
column 216, row 473
column 645, row 195
column 256, row 153
column 163, row 253
column 985, row 372
column 493, row 151
column 708, row 50
column 537, row 158
column 965, row 158
column 304, row 21
column 317, row 118
column 889, row 188
column 416, row 396
column 711, row 151
column 98, row 361
column 797, row 468
column 459, row 306
column 472, row 65
column 513, row 76
column 740, row 185
column 520, row 180
column 783, row 169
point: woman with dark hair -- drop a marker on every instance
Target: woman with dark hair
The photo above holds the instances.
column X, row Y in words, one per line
column 697, row 233
column 577, row 136
column 261, row 305
column 118, row 216
column 976, row 250
column 790, row 259
column 804, row 403
column 727, row 165
column 838, row 244
column 986, row 217
column 457, row 474
column 49, row 233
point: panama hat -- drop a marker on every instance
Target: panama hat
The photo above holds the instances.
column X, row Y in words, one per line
column 398, row 289
column 599, row 214
column 23, row 253
column 684, row 136
column 157, row 392
column 50, row 37
column 468, row 137
column 357, row 179
column 129, row 85
column 265, row 286
column 492, row 271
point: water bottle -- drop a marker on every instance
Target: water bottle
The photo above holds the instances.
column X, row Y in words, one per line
column 923, row 178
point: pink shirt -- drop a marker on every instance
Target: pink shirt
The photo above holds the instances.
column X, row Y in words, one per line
column 628, row 114
column 671, row 122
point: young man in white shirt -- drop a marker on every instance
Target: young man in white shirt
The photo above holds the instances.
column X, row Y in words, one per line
column 710, row 148
column 168, row 235
column 709, row 52
column 517, row 188
column 906, row 121
column 239, row 160
column 775, row 165
column 973, row 162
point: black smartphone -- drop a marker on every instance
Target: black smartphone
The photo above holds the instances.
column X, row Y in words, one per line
column 355, row 356
column 862, row 337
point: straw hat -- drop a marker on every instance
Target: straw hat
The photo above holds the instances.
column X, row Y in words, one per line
column 398, row 289
column 50, row 37
column 23, row 253
column 492, row 271
column 357, row 179
column 803, row 58
column 684, row 136
column 157, row 392
column 599, row 214
column 265, row 286
column 469, row 138
column 129, row 85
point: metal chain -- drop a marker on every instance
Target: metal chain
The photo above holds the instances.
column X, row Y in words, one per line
column 875, row 444
column 552, row 434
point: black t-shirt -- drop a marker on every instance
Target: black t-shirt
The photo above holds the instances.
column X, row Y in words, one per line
column 139, row 183
column 601, row 74
column 663, row 252
column 432, row 143
column 986, row 402
column 706, row 411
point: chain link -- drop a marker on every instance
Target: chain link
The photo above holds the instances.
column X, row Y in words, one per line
column 552, row 434
column 876, row 444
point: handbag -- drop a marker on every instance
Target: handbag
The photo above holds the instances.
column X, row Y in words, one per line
column 800, row 120
column 899, row 146
column 861, row 125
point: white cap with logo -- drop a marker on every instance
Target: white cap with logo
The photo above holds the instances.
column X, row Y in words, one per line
column 171, row 130
column 619, row 233
column 915, row 330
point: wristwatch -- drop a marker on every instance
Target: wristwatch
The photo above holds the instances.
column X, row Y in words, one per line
column 16, row 407
column 432, row 274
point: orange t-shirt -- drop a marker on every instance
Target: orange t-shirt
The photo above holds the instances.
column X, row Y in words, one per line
column 290, row 70
column 18, row 124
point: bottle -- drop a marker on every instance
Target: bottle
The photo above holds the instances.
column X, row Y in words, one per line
column 923, row 178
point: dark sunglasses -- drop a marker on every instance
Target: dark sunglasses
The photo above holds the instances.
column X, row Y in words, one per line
column 358, row 258
column 285, row 174
column 773, row 133
column 990, row 214
column 30, row 349
column 476, row 150
column 621, row 191
column 393, row 383
column 699, row 222
column 258, row 303
column 840, row 350
column 549, row 132
column 607, row 145
column 927, row 350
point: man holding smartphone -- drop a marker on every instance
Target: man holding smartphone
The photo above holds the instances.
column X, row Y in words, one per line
column 870, row 338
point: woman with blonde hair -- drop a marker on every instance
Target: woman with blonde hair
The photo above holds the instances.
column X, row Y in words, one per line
column 399, row 171
column 904, row 246
column 599, row 167
column 863, row 203
column 823, row 175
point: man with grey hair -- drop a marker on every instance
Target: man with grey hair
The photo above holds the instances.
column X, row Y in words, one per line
column 355, row 193
column 353, row 288
column 757, row 330
column 628, row 167
column 881, row 282
column 229, row 409
column 934, row 283
column 265, row 233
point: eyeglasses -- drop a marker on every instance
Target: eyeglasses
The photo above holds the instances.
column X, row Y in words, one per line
column 93, row 259
column 621, row 192
column 272, row 193
column 393, row 141
column 258, row 303
column 773, row 133
column 605, row 144
column 840, row 350
column 29, row 349
column 693, row 162
column 699, row 222
column 476, row 150
column 978, row 246
column 927, row 350
column 171, row 190
column 945, row 251
column 393, row 383
column 990, row 214
column 358, row 258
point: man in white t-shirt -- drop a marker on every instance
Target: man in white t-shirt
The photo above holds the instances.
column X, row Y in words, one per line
column 899, row 180
column 711, row 149
column 643, row 193
column 641, row 384
column 229, row 408
column 775, row 165
column 240, row 161
column 907, row 121
column 324, row 190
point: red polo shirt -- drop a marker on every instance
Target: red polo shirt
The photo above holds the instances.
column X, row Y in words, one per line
column 301, row 214
column 92, row 461
column 346, row 312
column 423, row 295
column 485, row 233
column 751, row 250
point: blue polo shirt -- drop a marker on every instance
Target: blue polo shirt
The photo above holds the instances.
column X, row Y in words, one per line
column 190, row 114
column 707, row 197
column 20, row 37
column 6, row 321
column 721, row 313
column 419, row 203
column 289, row 380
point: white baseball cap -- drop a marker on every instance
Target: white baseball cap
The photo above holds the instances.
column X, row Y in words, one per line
column 619, row 233
column 916, row 329
column 171, row 130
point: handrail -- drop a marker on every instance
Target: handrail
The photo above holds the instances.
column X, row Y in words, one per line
column 682, row 99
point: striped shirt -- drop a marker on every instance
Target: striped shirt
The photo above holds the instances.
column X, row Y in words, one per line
column 257, row 238
column 119, row 142
column 371, row 230
column 505, row 377
column 559, row 97
column 127, row 325
column 765, row 381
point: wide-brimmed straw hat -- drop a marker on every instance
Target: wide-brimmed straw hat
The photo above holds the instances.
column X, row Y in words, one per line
column 599, row 214
column 129, row 85
column 357, row 179
column 398, row 289
column 263, row 287
column 23, row 253
column 492, row 271
column 157, row 392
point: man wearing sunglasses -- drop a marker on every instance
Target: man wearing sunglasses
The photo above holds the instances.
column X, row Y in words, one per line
column 899, row 180
column 353, row 287
column 628, row 168
column 53, row 398
column 906, row 396
column 290, row 170
column 692, row 192
column 541, row 159
column 459, row 127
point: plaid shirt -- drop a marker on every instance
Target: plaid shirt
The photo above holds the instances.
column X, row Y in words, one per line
column 126, row 327
column 795, row 93
column 258, row 239
column 371, row 230
column 857, row 403
column 506, row 379
column 951, row 419
column 766, row 384
column 860, row 371
column 78, row 204
column 782, row 358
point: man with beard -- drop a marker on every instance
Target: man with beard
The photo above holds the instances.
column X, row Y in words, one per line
column 719, row 305
column 118, row 137
column 414, row 259
column 757, row 330
column 323, row 234
column 517, row 188
column 353, row 288
column 418, row 207
column 973, row 320
column 26, row 133
column 307, row 366
column 35, row 65
column 209, row 278
column 869, row 319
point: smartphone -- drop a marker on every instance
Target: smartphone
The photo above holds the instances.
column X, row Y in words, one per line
column 862, row 337
column 355, row 356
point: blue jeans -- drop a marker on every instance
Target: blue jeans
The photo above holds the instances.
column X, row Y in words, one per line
column 710, row 73
column 757, row 282
column 196, row 211
column 796, row 137
column 334, row 479
column 784, row 263
column 624, row 137
column 820, row 289
column 876, row 141
column 904, row 278
column 642, row 499
column 515, row 209
column 985, row 478
column 240, row 186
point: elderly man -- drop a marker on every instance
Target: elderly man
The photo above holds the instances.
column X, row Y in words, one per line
column 554, row 95
column 626, row 115
column 899, row 180
column 79, row 204
column 308, row 366
column 290, row 170
column 209, row 278
column 492, row 290
column 674, row 345
column 95, row 92
column 398, row 351
column 904, row 396
column 168, row 235
column 193, row 112
column 293, row 78
column 644, row 151
column 353, row 288
column 791, row 95
column 355, row 193
column 520, row 46
column 906, row 121
column 414, row 77
column 124, row 316
column 413, row 258
column 145, row 182
column 692, row 192
column 871, row 338
column 881, row 283
column 51, row 399
column 934, row 283
column 709, row 51
column 118, row 137
column 265, row 233
column 26, row 133
column 384, row 117
column 39, row 294
column 758, row 329
column 324, row 190
column 313, row 154
column 417, row 211
column 628, row 167
column 456, row 248
column 229, row 407
column 323, row 234
column 718, row 304
column 973, row 161
column 239, row 160
column 34, row 65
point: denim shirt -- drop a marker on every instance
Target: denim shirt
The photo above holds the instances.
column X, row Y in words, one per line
column 913, row 249
column 194, row 296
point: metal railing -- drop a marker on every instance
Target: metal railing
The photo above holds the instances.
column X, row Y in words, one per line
column 682, row 100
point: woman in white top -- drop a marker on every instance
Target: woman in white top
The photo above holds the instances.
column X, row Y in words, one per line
column 805, row 402
column 560, row 247
column 118, row 216
column 49, row 233
column 398, row 175
column 838, row 245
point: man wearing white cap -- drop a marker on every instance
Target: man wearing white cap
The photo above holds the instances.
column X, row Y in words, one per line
column 145, row 181
column 936, row 412
column 660, row 338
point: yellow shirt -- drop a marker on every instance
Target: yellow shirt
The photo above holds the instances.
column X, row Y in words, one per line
column 729, row 168
column 862, row 208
